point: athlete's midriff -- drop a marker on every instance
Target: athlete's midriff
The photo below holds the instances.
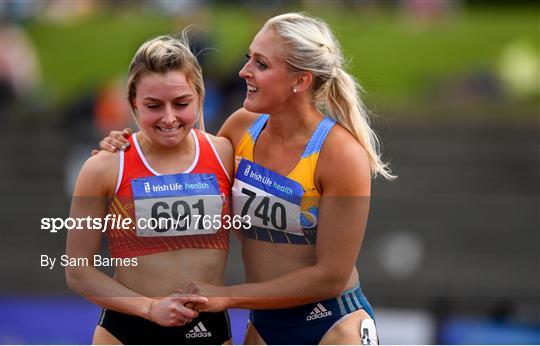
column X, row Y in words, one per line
column 265, row 261
column 161, row 273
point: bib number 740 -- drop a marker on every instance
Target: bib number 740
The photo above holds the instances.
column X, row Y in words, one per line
column 268, row 211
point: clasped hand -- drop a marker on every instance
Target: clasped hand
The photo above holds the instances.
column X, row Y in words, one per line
column 174, row 309
column 216, row 300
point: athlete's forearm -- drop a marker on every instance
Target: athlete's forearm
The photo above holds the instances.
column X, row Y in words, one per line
column 103, row 290
column 300, row 287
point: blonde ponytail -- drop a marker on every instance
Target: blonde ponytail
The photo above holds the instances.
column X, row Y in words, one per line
column 309, row 45
column 348, row 110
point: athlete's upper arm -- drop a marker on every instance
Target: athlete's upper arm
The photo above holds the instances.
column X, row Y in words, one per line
column 344, row 176
column 236, row 125
column 98, row 175
column 94, row 186
column 225, row 151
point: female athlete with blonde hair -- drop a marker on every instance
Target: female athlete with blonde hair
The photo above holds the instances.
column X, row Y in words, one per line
column 170, row 171
column 305, row 156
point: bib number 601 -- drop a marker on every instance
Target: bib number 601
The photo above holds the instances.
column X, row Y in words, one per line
column 180, row 211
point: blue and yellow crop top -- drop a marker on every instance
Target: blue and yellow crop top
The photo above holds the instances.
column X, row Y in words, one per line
column 281, row 209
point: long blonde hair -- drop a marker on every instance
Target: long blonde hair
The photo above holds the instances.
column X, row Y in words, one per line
column 163, row 54
column 309, row 45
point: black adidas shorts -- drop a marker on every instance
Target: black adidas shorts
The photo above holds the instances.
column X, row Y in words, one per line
column 208, row 328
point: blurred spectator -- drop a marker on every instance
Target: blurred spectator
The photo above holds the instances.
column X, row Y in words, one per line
column 423, row 11
column 19, row 66
column 201, row 45
column 478, row 86
column 183, row 8
column 111, row 109
column 61, row 10
column 426, row 10
column 21, row 10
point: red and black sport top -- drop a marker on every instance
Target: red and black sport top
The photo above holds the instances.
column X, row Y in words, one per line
column 125, row 242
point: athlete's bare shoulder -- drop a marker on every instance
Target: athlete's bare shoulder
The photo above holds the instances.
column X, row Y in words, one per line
column 225, row 151
column 98, row 175
column 220, row 142
column 341, row 142
column 237, row 124
column 342, row 150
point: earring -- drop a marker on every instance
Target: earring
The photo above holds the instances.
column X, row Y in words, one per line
column 295, row 90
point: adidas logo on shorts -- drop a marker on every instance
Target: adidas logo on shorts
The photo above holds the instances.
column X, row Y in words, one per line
column 199, row 331
column 319, row 311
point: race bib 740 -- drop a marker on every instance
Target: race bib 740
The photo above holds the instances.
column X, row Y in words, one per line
column 271, row 200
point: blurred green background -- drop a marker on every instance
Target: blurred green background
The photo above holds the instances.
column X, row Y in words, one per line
column 403, row 61
column 452, row 249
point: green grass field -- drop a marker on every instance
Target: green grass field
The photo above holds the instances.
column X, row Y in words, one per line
column 395, row 59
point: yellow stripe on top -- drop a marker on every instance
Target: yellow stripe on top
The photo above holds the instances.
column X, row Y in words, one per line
column 303, row 172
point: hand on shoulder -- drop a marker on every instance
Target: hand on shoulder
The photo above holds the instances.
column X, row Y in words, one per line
column 237, row 124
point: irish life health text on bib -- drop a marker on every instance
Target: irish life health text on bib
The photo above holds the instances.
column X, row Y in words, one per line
column 176, row 204
column 271, row 200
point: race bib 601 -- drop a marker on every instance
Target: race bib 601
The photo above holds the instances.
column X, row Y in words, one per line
column 177, row 204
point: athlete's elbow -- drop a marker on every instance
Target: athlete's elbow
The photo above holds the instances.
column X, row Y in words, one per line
column 332, row 284
column 74, row 279
column 335, row 287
